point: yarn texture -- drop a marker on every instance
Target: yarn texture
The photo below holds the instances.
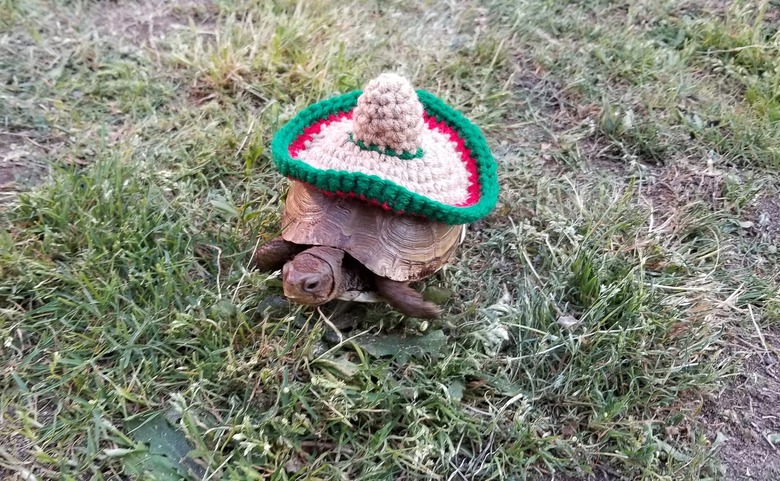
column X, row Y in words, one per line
column 389, row 115
column 393, row 146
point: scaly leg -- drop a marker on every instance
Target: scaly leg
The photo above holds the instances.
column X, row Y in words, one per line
column 274, row 254
column 405, row 299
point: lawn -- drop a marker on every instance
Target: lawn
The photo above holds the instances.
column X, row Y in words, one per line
column 615, row 317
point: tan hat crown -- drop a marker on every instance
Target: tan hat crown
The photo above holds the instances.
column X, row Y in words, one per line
column 389, row 114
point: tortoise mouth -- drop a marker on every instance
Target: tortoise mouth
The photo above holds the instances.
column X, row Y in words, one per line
column 307, row 299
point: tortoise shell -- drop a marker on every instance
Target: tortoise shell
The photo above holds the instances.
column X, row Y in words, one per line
column 397, row 246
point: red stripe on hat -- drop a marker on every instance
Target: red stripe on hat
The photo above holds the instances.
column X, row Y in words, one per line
column 465, row 155
column 313, row 129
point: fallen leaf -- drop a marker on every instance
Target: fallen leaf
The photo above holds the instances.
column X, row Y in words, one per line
column 720, row 439
column 294, row 465
column 167, row 450
column 568, row 322
column 676, row 454
column 225, row 207
column 404, row 347
column 340, row 364
column 746, row 224
column 223, row 310
column 455, row 390
column 76, row 161
column 568, row 431
column 437, row 294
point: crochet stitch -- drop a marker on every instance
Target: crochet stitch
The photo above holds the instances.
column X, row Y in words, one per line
column 389, row 115
column 390, row 145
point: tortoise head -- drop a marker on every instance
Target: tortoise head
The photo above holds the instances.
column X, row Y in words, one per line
column 314, row 276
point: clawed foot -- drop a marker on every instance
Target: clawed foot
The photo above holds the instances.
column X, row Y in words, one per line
column 406, row 300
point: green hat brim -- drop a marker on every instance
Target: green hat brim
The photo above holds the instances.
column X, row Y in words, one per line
column 384, row 192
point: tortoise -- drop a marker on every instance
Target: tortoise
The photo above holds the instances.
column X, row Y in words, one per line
column 345, row 248
column 384, row 181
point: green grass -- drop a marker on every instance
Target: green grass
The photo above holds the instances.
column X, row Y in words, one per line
column 125, row 292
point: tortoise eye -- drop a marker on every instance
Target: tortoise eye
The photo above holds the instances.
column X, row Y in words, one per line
column 311, row 285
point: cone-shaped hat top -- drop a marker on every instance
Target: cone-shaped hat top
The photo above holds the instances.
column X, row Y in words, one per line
column 389, row 114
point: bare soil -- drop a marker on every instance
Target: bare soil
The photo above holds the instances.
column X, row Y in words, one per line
column 676, row 186
column 20, row 165
column 767, row 216
column 747, row 412
column 16, row 449
column 145, row 22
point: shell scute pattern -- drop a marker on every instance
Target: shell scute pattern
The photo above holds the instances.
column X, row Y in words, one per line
column 399, row 247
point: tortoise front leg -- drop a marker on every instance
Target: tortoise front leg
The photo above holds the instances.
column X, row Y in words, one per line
column 273, row 255
column 404, row 299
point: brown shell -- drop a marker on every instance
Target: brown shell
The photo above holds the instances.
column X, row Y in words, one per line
column 399, row 247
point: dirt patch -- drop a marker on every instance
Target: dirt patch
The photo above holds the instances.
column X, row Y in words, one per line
column 746, row 412
column 563, row 108
column 14, row 456
column 772, row 18
column 767, row 216
column 698, row 8
column 20, row 165
column 564, row 124
column 16, row 459
column 676, row 186
column 146, row 21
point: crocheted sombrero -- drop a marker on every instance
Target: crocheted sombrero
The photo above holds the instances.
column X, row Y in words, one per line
column 403, row 149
